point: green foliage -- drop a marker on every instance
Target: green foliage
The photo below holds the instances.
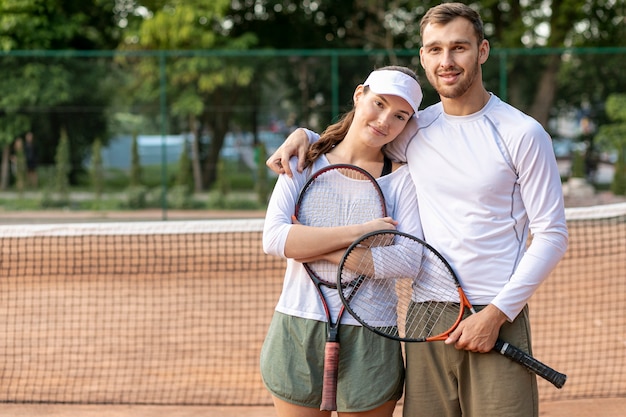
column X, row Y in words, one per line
column 50, row 90
column 136, row 197
column 152, row 175
column 236, row 175
column 20, row 203
column 116, row 179
column 613, row 136
column 616, row 108
column 578, row 164
column 223, row 180
column 97, row 171
column 262, row 186
column 183, row 173
column 62, row 168
column 46, row 91
column 107, row 204
column 218, row 201
column 234, row 188
column 240, row 181
column 181, row 195
column 135, row 164
column 196, row 85
column 618, row 186
column 11, row 125
column 50, row 24
column 20, row 166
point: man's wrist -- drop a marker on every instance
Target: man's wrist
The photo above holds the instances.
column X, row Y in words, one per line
column 496, row 314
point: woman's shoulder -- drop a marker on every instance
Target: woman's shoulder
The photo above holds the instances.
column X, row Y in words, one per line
column 398, row 166
column 398, row 175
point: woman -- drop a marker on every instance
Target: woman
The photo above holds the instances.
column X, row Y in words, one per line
column 371, row 369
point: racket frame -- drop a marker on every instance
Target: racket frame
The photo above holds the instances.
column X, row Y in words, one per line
column 331, row 349
column 504, row 348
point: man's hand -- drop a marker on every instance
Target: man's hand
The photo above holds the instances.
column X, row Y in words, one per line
column 478, row 332
column 296, row 144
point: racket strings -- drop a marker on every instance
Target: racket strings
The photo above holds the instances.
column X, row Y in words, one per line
column 406, row 290
column 323, row 206
column 338, row 197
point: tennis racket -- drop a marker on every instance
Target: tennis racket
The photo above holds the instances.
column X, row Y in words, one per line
column 418, row 295
column 336, row 195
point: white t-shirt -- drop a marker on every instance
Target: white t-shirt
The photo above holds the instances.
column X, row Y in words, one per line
column 482, row 182
column 299, row 296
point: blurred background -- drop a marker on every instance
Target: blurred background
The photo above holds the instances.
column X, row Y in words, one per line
column 119, row 106
column 176, row 104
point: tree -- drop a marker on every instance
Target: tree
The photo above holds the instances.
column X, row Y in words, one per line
column 97, row 171
column 62, row 169
column 136, row 191
column 183, row 175
column 135, row 163
column 11, row 125
column 578, row 164
column 50, row 90
column 394, row 24
column 182, row 193
column 262, row 183
column 613, row 136
column 19, row 159
column 201, row 90
column 360, row 24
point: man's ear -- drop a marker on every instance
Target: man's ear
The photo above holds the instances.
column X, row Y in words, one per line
column 483, row 51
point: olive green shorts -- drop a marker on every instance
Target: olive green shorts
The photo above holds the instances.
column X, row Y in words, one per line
column 445, row 382
column 371, row 367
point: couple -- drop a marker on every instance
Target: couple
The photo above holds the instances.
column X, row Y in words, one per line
column 483, row 176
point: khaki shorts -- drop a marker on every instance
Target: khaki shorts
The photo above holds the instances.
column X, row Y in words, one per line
column 442, row 381
column 371, row 368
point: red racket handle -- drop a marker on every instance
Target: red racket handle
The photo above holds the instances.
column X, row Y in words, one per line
column 331, row 368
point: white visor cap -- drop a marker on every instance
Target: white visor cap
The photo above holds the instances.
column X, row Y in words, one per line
column 396, row 83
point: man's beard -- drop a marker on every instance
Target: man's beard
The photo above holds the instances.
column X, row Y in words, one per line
column 457, row 90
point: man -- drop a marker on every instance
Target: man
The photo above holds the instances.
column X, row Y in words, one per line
column 485, row 176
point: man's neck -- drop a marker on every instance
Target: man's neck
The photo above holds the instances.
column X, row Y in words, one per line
column 469, row 103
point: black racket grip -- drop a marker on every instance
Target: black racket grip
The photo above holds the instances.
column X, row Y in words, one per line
column 331, row 369
column 504, row 348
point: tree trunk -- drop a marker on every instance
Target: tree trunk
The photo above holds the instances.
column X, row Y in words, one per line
column 4, row 169
column 217, row 118
column 195, row 155
column 546, row 91
column 303, row 86
column 219, row 124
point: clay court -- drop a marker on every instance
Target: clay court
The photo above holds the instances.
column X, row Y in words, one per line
column 176, row 331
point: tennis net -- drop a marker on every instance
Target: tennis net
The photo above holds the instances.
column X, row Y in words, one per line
column 174, row 313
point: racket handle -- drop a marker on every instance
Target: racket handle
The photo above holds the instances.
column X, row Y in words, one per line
column 331, row 368
column 556, row 378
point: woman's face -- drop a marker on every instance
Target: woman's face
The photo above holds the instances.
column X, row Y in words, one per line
column 380, row 117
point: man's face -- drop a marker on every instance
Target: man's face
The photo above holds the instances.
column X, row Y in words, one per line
column 451, row 57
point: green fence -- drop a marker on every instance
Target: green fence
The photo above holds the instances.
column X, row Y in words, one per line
column 227, row 101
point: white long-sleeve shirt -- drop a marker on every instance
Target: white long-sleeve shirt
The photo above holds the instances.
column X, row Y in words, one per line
column 482, row 182
column 299, row 296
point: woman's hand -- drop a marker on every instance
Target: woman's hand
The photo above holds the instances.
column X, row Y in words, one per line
column 354, row 231
column 383, row 223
